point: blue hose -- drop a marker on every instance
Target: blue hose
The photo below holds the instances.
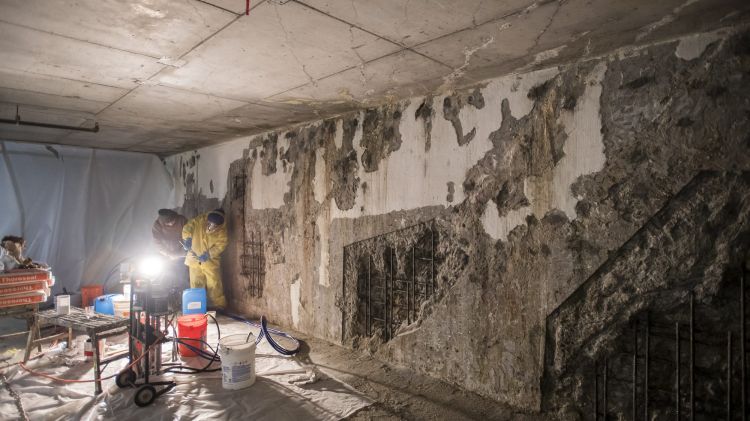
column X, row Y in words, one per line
column 213, row 356
column 265, row 332
column 275, row 345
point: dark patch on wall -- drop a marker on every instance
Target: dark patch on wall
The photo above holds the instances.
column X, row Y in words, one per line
column 570, row 94
column 740, row 45
column 426, row 113
column 510, row 196
column 302, row 143
column 269, row 153
column 685, row 122
column 475, row 99
column 195, row 201
column 380, row 134
column 570, row 103
column 538, row 91
column 451, row 191
column 716, row 91
column 345, row 167
column 452, row 106
column 211, row 185
column 639, row 82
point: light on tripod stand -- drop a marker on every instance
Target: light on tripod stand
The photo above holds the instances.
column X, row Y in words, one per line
column 151, row 266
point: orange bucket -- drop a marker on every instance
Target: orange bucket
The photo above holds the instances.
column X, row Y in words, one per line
column 193, row 328
column 89, row 294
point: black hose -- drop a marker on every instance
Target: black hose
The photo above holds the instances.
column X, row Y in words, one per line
column 267, row 332
column 182, row 369
column 190, row 344
column 213, row 357
column 247, row 322
column 280, row 349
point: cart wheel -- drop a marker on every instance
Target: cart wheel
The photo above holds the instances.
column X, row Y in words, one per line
column 145, row 395
column 125, row 378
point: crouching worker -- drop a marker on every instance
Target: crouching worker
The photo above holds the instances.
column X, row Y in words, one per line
column 205, row 238
column 167, row 233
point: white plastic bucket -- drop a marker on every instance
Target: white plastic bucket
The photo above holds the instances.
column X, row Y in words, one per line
column 121, row 307
column 237, row 353
column 88, row 348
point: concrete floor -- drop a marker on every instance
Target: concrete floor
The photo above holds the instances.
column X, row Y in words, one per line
column 399, row 393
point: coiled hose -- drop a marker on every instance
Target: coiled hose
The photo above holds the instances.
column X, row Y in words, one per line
column 213, row 356
column 269, row 333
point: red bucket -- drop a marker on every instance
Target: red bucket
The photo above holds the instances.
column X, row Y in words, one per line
column 89, row 294
column 193, row 327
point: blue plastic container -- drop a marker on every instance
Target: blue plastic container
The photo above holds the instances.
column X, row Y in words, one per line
column 194, row 301
column 103, row 303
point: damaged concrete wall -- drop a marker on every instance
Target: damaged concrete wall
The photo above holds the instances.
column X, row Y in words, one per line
column 533, row 180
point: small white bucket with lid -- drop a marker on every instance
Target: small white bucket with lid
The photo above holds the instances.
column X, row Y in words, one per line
column 237, row 353
column 121, row 306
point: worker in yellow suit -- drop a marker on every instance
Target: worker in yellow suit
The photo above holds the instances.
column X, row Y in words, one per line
column 205, row 238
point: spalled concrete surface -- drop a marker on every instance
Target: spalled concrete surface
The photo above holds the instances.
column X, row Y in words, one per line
column 145, row 68
column 705, row 227
column 565, row 165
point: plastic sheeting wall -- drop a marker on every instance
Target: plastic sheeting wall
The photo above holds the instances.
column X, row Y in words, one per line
column 81, row 210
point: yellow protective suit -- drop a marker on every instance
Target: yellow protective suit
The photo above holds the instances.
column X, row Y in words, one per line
column 207, row 274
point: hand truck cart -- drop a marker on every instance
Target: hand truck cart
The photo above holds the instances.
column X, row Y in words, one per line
column 150, row 316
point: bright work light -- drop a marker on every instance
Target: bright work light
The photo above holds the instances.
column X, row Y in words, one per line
column 151, row 266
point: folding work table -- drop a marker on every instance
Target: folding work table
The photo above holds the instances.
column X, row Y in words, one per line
column 97, row 327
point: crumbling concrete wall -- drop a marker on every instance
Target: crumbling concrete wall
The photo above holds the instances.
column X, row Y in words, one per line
column 534, row 179
column 694, row 244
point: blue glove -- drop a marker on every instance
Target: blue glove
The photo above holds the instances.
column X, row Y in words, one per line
column 203, row 257
column 187, row 244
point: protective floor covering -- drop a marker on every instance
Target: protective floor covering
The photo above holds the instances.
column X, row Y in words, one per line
column 285, row 389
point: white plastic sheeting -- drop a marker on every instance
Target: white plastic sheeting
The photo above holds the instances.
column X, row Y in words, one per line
column 80, row 210
column 285, row 389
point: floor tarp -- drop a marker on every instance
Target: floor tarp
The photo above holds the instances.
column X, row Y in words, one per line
column 285, row 389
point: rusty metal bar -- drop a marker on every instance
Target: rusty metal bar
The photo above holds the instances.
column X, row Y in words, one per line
column 385, row 302
column 677, row 369
column 729, row 376
column 432, row 255
column 369, row 300
column 343, row 292
column 647, row 345
column 635, row 370
column 692, row 356
column 596, row 391
column 413, row 284
column 390, row 296
column 743, row 351
column 606, row 366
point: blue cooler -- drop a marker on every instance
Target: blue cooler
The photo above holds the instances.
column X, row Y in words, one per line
column 194, row 301
column 103, row 303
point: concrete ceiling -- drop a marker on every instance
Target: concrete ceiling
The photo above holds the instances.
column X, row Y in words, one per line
column 165, row 76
